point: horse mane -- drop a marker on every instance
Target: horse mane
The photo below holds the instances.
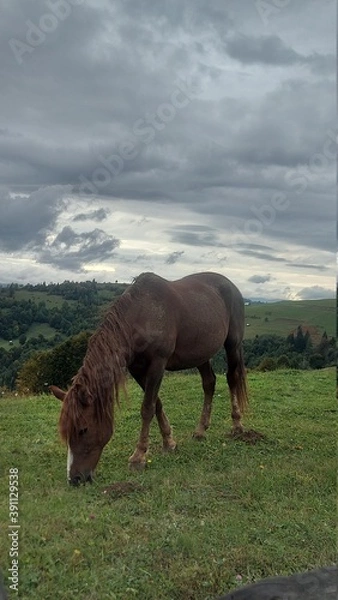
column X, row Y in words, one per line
column 102, row 373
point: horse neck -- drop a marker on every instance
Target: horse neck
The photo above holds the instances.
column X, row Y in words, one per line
column 106, row 359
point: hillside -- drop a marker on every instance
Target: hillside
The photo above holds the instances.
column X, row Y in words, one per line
column 282, row 318
column 39, row 318
column 68, row 308
column 45, row 311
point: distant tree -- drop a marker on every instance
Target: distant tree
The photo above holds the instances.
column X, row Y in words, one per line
column 316, row 361
column 56, row 366
column 22, row 339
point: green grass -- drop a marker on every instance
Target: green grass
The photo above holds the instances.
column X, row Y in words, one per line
column 51, row 300
column 200, row 517
column 41, row 329
column 33, row 332
column 283, row 317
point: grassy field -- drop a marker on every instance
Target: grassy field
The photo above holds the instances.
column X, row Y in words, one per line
column 34, row 331
column 283, row 317
column 51, row 300
column 212, row 516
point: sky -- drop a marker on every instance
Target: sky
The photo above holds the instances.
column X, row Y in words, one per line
column 169, row 136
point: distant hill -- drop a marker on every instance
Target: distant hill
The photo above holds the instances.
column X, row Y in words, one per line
column 38, row 318
column 61, row 310
column 52, row 311
column 282, row 318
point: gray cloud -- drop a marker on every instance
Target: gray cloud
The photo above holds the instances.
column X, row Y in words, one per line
column 71, row 250
column 168, row 110
column 271, row 50
column 267, row 49
column 310, row 267
column 260, row 278
column 262, row 256
column 95, row 215
column 315, row 292
column 196, row 239
column 174, row 257
column 26, row 220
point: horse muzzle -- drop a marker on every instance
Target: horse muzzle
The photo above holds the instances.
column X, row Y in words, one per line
column 81, row 479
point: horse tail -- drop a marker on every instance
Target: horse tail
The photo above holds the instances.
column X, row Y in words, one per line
column 236, row 375
column 241, row 389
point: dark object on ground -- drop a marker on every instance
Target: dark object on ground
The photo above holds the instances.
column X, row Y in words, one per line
column 122, row 488
column 320, row 584
column 249, row 436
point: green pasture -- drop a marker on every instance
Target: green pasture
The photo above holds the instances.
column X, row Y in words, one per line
column 211, row 516
column 281, row 318
column 34, row 331
column 51, row 300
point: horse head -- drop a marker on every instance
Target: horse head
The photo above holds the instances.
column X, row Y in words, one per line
column 85, row 430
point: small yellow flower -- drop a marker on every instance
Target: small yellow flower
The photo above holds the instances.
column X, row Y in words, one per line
column 261, row 467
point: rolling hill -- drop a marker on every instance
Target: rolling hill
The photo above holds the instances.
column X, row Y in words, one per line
column 282, row 318
column 68, row 308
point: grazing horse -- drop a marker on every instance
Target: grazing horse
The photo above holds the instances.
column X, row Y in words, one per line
column 155, row 325
column 320, row 584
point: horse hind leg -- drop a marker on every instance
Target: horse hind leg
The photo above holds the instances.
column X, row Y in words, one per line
column 169, row 443
column 208, row 383
column 236, row 377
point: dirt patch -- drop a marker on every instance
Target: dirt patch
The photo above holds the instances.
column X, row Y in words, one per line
column 249, row 437
column 122, row 488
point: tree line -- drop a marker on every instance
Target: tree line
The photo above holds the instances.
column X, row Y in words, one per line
column 266, row 352
column 71, row 308
column 79, row 310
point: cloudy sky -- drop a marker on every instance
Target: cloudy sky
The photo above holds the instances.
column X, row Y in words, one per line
column 169, row 136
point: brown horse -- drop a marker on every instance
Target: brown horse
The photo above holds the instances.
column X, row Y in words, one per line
column 156, row 325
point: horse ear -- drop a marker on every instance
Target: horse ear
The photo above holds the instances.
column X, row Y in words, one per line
column 58, row 393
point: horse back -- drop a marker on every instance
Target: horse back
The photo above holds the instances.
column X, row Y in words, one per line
column 187, row 320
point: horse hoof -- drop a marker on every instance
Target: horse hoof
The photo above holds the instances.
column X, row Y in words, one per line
column 170, row 448
column 197, row 435
column 137, row 466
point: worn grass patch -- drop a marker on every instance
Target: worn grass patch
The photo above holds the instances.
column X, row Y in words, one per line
column 195, row 519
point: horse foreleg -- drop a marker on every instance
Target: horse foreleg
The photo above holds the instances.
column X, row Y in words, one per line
column 151, row 384
column 163, row 423
column 137, row 460
column 208, row 383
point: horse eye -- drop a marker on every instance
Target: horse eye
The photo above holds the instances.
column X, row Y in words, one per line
column 83, row 431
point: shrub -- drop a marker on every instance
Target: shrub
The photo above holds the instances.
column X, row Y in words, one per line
column 283, row 362
column 56, row 366
column 267, row 364
column 317, row 361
